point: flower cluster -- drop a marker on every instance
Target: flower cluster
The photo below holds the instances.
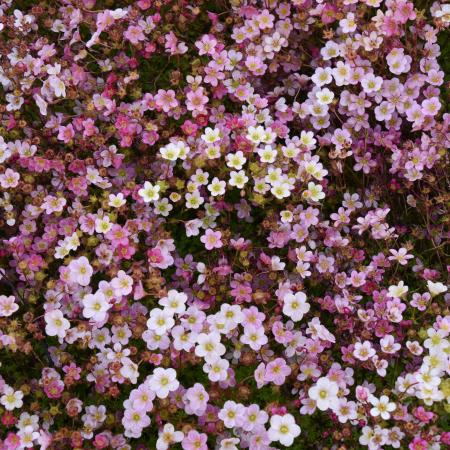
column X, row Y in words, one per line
column 223, row 224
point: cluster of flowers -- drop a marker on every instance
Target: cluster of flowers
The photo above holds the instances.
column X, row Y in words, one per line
column 223, row 225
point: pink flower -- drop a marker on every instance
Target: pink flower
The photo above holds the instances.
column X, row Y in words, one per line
column 277, row 371
column 196, row 100
column 211, row 239
column 195, row 441
column 8, row 305
column 134, row 34
column 418, row 444
column 206, row 45
column 166, row 100
column 66, row 134
column 9, row 179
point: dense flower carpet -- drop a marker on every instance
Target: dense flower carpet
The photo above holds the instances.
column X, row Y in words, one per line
column 224, row 224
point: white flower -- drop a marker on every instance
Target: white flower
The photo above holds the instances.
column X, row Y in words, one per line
column 238, row 179
column 168, row 436
column 348, row 24
column 200, row 177
column 163, row 207
column 182, row 338
column 436, row 288
column 426, row 377
column 217, row 369
column 236, row 160
column 276, row 263
column 170, row 151
column 232, row 414
column 388, row 344
column 283, row 429
column 11, row 399
column 443, row 13
column 194, row 200
column 209, row 346
column 211, row 135
column 129, row 369
column 116, row 201
column 381, row 407
column 103, row 224
column 322, row 76
column 436, row 340
column 295, row 306
column 229, row 444
column 314, row 192
column 56, row 324
column 363, row 351
column 324, row 96
column 286, row 216
column 163, row 381
column 57, row 85
column 267, row 154
column 269, row 136
column 371, row 83
column 213, row 151
column 255, row 134
column 95, row 306
column 397, row 291
column 122, row 284
column 280, row 190
column 307, row 139
column 14, row 102
column 149, row 192
column 217, row 187
column 324, row 392
column 174, row 302
column 27, row 436
column 160, row 321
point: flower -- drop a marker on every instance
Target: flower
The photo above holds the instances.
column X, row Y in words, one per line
column 180, row 217
column 217, row 369
column 324, row 393
column 8, row 305
column 209, row 347
column 232, row 414
column 283, row 429
column 295, row 306
column 163, row 381
column 436, row 288
column 277, row 371
column 363, row 351
column 401, row 256
column 238, row 179
column 149, row 192
column 95, row 306
column 174, row 302
column 211, row 239
column 381, row 407
column 254, row 337
column 160, row 321
column 56, row 324
column 195, row 441
column 122, row 284
column 398, row 291
column 217, row 187
column 80, row 271
column 168, row 436
column 11, row 399
column 116, row 201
